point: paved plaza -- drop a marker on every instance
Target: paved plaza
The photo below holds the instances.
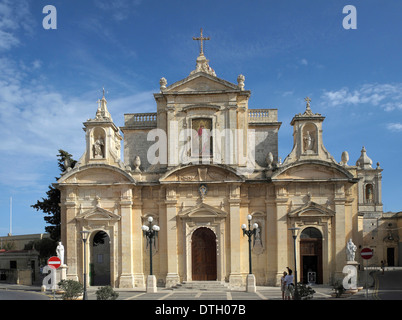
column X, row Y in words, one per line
column 322, row 292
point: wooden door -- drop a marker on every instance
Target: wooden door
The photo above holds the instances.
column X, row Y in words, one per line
column 203, row 250
column 311, row 259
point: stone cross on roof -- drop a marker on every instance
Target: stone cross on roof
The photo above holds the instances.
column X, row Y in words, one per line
column 201, row 39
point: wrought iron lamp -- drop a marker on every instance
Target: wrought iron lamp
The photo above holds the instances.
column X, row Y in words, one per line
column 294, row 235
column 249, row 233
column 84, row 237
column 250, row 284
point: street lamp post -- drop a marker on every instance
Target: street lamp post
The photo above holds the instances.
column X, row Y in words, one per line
column 294, row 235
column 250, row 233
column 84, row 237
column 150, row 232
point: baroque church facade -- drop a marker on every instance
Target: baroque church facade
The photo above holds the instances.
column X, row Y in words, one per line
column 199, row 166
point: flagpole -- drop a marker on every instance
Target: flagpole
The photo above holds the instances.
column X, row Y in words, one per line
column 11, row 215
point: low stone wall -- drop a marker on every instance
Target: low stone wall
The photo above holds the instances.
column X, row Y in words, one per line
column 16, row 276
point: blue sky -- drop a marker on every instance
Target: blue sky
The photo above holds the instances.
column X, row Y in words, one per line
column 50, row 80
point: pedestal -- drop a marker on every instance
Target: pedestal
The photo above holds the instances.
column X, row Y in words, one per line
column 172, row 279
column 250, row 283
column 61, row 273
column 151, row 284
column 126, row 281
column 56, row 276
column 356, row 265
column 236, row 281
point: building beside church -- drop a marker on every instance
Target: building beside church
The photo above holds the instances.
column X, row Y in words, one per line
column 199, row 166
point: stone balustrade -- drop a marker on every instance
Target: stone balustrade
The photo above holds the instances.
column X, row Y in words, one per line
column 141, row 119
column 262, row 115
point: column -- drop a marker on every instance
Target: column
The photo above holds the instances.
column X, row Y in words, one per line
column 235, row 278
column 73, row 240
column 172, row 138
column 340, row 230
column 340, row 238
column 283, row 239
column 170, row 231
column 139, row 280
column 126, row 238
column 270, row 242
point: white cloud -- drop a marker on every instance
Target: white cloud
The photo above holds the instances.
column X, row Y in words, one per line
column 119, row 9
column 14, row 17
column 304, row 62
column 394, row 126
column 388, row 96
column 37, row 120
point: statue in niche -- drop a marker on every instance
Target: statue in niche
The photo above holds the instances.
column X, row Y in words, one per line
column 350, row 250
column 258, row 247
column 98, row 148
column 309, row 141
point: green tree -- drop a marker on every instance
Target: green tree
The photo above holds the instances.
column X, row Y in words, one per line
column 50, row 204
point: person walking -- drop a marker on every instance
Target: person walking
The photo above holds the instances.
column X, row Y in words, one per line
column 289, row 285
column 283, row 287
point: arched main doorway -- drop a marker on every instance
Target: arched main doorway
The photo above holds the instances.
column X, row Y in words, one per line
column 311, row 255
column 100, row 260
column 203, row 254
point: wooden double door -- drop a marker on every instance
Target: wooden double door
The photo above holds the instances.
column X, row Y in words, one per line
column 311, row 260
column 203, row 255
column 311, row 256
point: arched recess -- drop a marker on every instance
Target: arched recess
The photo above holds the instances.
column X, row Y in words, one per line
column 98, row 146
column 311, row 256
column 310, row 138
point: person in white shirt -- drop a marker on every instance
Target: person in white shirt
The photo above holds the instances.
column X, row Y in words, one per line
column 289, row 285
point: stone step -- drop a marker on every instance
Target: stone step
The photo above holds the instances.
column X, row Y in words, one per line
column 202, row 285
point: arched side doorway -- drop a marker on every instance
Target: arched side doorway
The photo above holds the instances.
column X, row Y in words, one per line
column 203, row 255
column 311, row 256
column 99, row 274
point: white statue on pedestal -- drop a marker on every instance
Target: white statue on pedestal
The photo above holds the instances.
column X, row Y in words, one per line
column 60, row 252
column 350, row 250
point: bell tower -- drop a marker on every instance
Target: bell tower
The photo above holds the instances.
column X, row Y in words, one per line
column 307, row 137
column 102, row 138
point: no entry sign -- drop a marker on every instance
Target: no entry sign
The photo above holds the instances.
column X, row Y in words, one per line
column 366, row 253
column 54, row 262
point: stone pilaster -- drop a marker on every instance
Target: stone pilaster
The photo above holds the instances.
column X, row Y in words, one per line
column 139, row 279
column 73, row 241
column 235, row 277
column 172, row 276
column 282, row 239
column 126, row 237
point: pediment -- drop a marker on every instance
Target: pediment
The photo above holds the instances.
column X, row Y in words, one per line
column 96, row 174
column 98, row 214
column 202, row 210
column 312, row 209
column 201, row 173
column 200, row 82
column 314, row 171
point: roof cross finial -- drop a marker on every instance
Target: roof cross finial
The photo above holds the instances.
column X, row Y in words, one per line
column 308, row 100
column 201, row 39
column 103, row 92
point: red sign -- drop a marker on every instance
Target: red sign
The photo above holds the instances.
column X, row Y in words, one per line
column 366, row 253
column 54, row 262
